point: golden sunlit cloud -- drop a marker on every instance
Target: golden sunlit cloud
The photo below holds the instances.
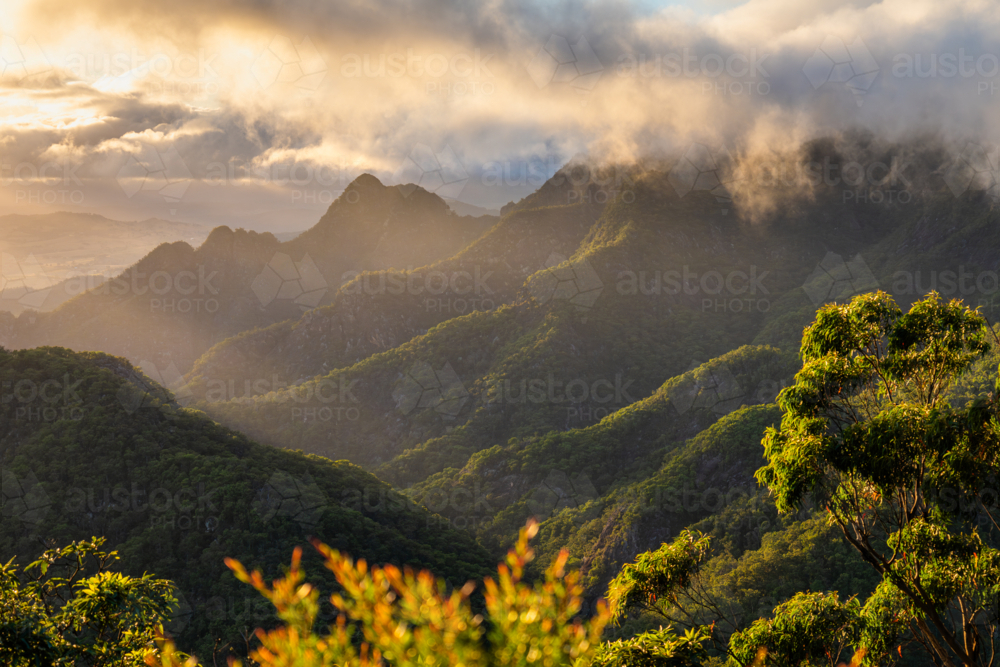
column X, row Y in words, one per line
column 244, row 96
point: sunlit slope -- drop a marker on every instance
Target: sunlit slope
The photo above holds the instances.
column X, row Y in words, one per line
column 499, row 488
column 378, row 310
column 658, row 284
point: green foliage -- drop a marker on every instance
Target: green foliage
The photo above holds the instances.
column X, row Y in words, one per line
column 809, row 630
column 665, row 582
column 655, row 579
column 656, row 648
column 407, row 618
column 68, row 608
column 718, row 600
column 797, row 554
column 869, row 431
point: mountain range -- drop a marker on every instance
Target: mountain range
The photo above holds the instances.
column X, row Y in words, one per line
column 603, row 356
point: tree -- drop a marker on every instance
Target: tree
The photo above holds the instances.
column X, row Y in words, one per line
column 656, row 648
column 52, row 613
column 809, row 630
column 665, row 582
column 869, row 432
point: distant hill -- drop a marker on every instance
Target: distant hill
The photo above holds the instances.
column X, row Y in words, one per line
column 17, row 298
column 171, row 306
column 461, row 208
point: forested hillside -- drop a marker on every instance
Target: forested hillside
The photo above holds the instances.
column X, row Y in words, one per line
column 90, row 446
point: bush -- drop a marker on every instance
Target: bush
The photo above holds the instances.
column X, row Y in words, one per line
column 409, row 618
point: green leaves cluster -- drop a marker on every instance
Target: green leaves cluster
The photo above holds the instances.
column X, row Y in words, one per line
column 656, row 648
column 809, row 630
column 656, row 578
column 68, row 608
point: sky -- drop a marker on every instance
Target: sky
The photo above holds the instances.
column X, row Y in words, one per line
column 258, row 114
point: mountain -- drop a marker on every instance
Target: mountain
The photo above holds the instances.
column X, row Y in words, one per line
column 177, row 301
column 596, row 306
column 372, row 226
column 91, row 446
column 625, row 227
column 379, row 310
column 604, row 357
column 630, row 293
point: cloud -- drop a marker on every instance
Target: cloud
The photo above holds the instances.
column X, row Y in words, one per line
column 271, row 88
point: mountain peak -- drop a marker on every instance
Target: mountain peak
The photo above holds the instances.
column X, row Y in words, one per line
column 218, row 234
column 366, row 181
column 368, row 191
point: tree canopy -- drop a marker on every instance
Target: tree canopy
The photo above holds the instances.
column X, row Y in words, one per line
column 68, row 608
column 872, row 431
